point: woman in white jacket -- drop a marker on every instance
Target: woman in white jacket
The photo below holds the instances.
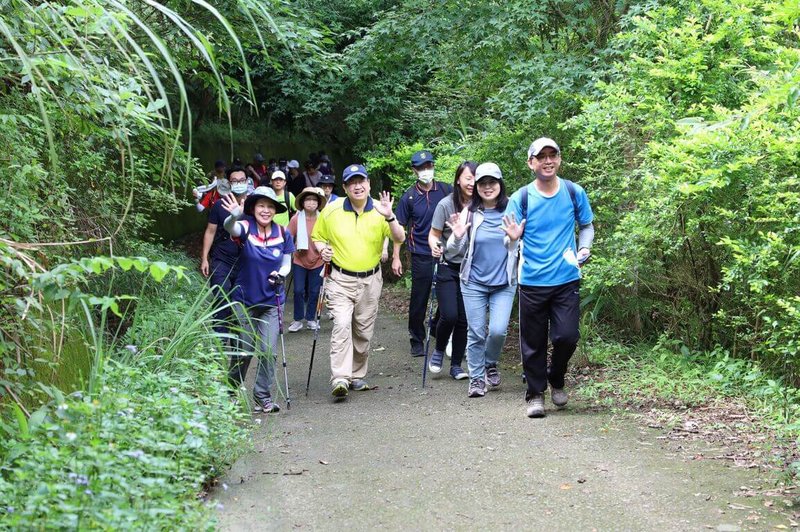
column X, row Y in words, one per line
column 488, row 274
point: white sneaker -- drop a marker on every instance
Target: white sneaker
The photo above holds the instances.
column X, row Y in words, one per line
column 296, row 326
column 312, row 325
column 449, row 349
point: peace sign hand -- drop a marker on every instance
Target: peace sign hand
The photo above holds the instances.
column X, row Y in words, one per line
column 231, row 204
column 458, row 227
column 512, row 228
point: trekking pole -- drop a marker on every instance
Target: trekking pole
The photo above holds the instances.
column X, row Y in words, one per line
column 278, row 284
column 325, row 271
column 430, row 316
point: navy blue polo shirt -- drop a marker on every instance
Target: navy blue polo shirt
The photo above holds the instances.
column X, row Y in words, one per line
column 222, row 247
column 415, row 211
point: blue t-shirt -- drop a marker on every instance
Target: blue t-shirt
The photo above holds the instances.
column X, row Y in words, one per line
column 548, row 245
column 222, row 248
column 415, row 209
column 489, row 255
column 258, row 259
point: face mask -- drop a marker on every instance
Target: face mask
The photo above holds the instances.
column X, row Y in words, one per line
column 239, row 188
column 425, row 176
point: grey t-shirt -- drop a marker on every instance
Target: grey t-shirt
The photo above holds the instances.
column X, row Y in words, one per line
column 444, row 209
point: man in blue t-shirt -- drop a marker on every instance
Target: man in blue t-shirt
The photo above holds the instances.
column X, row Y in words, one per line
column 550, row 271
column 415, row 210
column 220, row 254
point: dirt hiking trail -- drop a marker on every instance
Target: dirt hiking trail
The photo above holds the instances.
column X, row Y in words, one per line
column 400, row 457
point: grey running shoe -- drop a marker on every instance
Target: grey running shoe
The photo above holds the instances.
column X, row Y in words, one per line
column 477, row 388
column 458, row 373
column 268, row 407
column 493, row 376
column 435, row 363
column 339, row 389
column 559, row 397
column 295, row 326
column 536, row 406
column 359, row 385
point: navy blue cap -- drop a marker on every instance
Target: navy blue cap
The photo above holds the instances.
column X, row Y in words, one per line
column 421, row 157
column 326, row 179
column 354, row 170
column 219, row 163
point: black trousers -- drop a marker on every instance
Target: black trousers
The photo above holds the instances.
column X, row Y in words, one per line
column 452, row 317
column 543, row 311
column 421, row 279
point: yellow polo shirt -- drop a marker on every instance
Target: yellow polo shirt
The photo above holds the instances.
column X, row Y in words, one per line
column 356, row 239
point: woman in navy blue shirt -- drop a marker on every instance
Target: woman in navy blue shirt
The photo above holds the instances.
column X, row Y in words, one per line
column 266, row 257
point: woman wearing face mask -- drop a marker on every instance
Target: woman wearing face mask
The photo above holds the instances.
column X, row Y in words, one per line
column 488, row 274
column 307, row 261
column 452, row 317
column 265, row 259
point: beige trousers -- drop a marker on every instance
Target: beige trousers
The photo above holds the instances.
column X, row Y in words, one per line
column 353, row 302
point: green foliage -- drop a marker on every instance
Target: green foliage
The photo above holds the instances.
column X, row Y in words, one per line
column 135, row 455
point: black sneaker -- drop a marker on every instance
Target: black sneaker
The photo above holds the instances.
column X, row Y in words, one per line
column 417, row 352
column 477, row 388
column 493, row 376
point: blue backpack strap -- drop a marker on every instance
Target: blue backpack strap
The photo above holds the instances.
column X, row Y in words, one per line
column 524, row 202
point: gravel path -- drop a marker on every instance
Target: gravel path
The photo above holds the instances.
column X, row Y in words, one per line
column 401, row 457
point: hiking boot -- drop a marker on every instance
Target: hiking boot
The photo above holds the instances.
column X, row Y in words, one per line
column 296, row 326
column 359, row 385
column 493, row 376
column 339, row 389
column 435, row 363
column 268, row 407
column 536, row 406
column 312, row 325
column 417, row 352
column 458, row 373
column 559, row 397
column 477, row 388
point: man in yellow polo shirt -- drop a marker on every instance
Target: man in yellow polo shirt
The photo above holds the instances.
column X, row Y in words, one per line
column 349, row 234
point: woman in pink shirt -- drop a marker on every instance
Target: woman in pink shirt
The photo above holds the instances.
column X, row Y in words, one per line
column 306, row 262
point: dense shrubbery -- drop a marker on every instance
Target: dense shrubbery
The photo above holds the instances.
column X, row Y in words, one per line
column 135, row 454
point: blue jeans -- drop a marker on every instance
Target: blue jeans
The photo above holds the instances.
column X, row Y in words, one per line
column 307, row 284
column 484, row 350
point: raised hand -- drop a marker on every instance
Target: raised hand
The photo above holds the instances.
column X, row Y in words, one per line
column 512, row 228
column 231, row 204
column 456, row 225
column 384, row 206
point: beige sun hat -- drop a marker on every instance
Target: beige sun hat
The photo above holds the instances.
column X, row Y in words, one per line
column 308, row 191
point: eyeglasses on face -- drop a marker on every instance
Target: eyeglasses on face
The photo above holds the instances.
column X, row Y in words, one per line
column 541, row 157
column 238, row 181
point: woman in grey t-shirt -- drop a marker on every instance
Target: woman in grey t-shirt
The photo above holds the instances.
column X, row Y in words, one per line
column 452, row 318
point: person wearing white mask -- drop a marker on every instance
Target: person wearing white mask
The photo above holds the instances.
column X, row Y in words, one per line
column 415, row 211
column 219, row 258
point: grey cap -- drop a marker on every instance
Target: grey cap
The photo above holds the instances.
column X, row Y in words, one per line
column 540, row 144
column 263, row 192
column 488, row 170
